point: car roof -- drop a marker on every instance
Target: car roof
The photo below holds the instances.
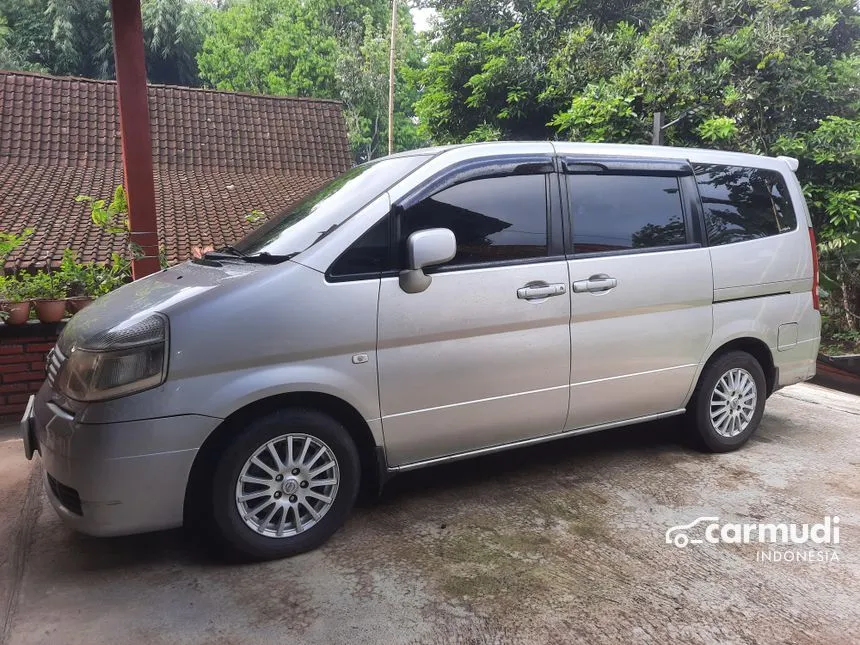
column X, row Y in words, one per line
column 694, row 155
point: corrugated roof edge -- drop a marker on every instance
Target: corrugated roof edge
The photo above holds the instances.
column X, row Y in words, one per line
column 81, row 79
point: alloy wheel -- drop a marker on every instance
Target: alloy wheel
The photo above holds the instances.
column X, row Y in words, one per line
column 287, row 485
column 733, row 402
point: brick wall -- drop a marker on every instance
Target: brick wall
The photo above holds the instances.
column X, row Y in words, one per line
column 22, row 363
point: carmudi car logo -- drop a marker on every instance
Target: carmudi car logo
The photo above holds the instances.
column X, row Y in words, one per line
column 814, row 538
column 679, row 535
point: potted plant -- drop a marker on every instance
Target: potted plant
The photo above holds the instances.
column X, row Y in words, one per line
column 48, row 294
column 14, row 303
column 75, row 276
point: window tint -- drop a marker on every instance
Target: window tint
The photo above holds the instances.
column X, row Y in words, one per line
column 367, row 255
column 743, row 203
column 493, row 219
column 620, row 212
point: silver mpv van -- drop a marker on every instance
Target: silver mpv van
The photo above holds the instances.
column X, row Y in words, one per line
column 426, row 307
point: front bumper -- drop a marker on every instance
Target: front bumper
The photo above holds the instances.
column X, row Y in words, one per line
column 128, row 477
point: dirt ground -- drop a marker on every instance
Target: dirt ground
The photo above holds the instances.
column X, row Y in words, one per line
column 559, row 543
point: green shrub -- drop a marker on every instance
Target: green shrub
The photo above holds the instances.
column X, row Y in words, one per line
column 104, row 278
column 75, row 275
column 13, row 288
column 44, row 285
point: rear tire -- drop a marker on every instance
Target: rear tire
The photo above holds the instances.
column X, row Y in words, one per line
column 284, row 485
column 728, row 402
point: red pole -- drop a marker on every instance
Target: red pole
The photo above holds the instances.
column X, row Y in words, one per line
column 134, row 128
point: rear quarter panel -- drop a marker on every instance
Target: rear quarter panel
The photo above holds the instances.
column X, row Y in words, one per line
column 760, row 318
column 764, row 283
column 769, row 265
column 777, row 264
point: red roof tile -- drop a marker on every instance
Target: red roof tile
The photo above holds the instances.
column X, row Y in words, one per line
column 217, row 156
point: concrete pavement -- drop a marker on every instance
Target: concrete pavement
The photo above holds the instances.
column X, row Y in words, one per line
column 558, row 543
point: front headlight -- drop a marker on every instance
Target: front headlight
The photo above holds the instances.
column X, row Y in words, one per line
column 125, row 359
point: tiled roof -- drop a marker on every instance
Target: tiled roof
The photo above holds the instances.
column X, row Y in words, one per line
column 217, row 156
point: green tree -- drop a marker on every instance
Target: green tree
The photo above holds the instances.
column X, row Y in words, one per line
column 9, row 57
column 173, row 33
column 66, row 37
column 270, row 47
column 761, row 76
column 54, row 36
column 486, row 70
column 324, row 49
column 831, row 154
column 362, row 77
column 754, row 71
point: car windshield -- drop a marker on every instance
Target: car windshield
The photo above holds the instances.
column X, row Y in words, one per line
column 300, row 227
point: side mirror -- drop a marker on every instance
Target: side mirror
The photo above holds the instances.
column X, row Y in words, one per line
column 423, row 249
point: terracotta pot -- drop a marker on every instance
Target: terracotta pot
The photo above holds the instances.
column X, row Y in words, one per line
column 19, row 312
column 50, row 311
column 74, row 305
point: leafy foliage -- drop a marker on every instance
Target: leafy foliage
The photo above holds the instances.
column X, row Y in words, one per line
column 362, row 79
column 320, row 48
column 598, row 114
column 111, row 217
column 270, row 47
column 173, row 32
column 718, row 128
column 761, row 76
column 831, row 172
column 10, row 57
column 44, row 285
column 487, row 75
column 72, row 279
column 106, row 277
column 11, row 241
column 73, row 37
column 13, row 288
column 255, row 216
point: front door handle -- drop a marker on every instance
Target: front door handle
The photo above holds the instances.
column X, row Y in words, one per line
column 595, row 284
column 539, row 291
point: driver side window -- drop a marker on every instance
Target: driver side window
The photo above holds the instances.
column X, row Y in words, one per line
column 495, row 219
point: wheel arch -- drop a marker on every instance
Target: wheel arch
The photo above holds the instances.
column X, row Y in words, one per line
column 753, row 346
column 372, row 456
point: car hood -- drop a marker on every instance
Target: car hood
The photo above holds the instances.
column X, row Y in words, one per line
column 162, row 292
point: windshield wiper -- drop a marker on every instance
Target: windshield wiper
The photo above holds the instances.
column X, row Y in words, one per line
column 225, row 252
column 268, row 258
column 232, row 253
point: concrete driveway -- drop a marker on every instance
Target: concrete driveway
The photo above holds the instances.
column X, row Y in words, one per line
column 559, row 543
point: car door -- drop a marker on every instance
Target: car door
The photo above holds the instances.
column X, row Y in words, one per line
column 642, row 288
column 482, row 356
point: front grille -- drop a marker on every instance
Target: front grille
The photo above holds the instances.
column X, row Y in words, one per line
column 68, row 497
column 53, row 364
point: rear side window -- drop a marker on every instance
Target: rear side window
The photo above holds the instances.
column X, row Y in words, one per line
column 743, row 203
column 624, row 212
column 494, row 219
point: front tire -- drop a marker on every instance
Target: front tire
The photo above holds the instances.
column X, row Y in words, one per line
column 728, row 402
column 284, row 485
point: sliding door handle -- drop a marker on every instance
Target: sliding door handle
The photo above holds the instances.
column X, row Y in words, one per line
column 541, row 290
column 595, row 284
